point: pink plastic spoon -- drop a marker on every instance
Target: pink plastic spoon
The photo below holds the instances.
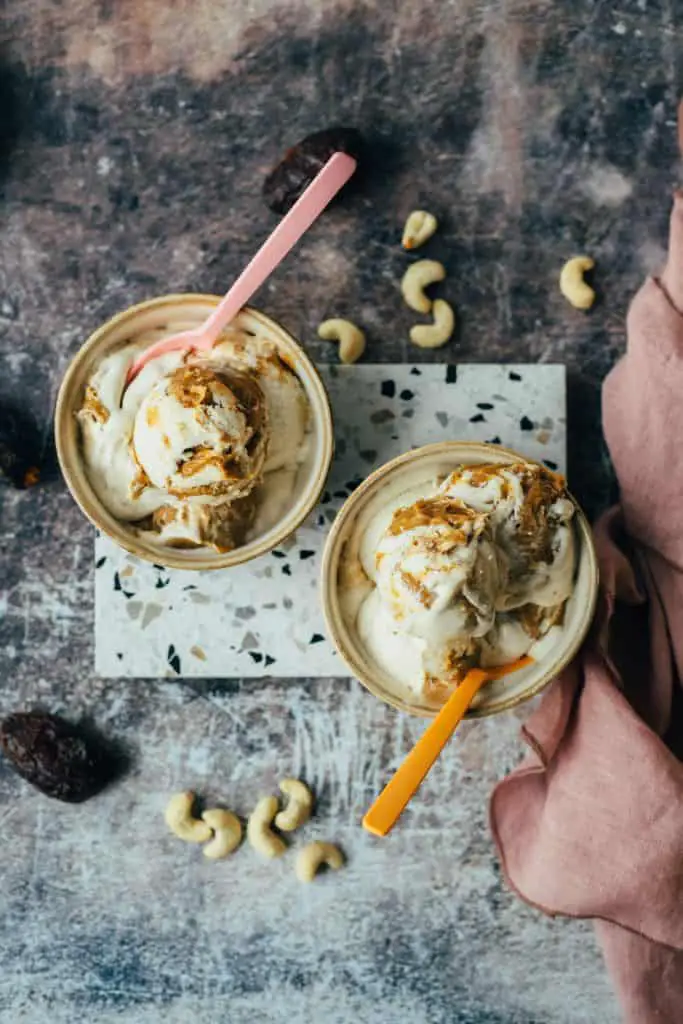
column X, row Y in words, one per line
column 293, row 225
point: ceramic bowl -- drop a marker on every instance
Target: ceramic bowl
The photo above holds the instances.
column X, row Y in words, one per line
column 411, row 469
column 174, row 313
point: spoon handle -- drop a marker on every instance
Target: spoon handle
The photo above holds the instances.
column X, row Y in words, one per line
column 398, row 792
column 385, row 811
column 306, row 209
column 293, row 225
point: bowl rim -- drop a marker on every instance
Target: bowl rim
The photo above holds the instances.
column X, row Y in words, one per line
column 329, row 582
column 109, row 525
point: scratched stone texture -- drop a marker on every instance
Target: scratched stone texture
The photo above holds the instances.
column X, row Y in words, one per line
column 134, row 136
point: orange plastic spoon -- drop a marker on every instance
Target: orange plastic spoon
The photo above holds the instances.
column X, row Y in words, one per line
column 398, row 792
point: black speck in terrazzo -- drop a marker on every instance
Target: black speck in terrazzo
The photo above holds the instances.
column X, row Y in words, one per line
column 161, row 568
column 368, row 455
column 394, row 437
column 256, row 656
column 303, row 555
column 442, row 418
column 270, row 606
column 320, row 521
column 408, row 414
column 119, row 655
column 415, row 372
column 484, row 405
column 451, row 374
column 341, row 494
column 326, row 498
column 388, row 388
column 100, row 562
column 495, row 440
column 286, row 570
column 245, row 613
column 479, row 418
column 550, row 464
column 382, row 416
column 190, row 586
column 526, row 424
column 330, row 515
column 514, row 376
column 173, row 659
column 119, row 586
column 407, row 395
column 317, row 639
column 269, row 660
column 352, row 484
column 278, row 554
column 287, row 603
column 161, row 583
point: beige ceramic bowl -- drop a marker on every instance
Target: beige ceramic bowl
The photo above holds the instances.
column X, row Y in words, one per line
column 409, row 470
column 175, row 313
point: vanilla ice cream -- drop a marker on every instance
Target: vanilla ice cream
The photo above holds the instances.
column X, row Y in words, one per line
column 202, row 432
column 474, row 573
column 530, row 516
column 201, row 449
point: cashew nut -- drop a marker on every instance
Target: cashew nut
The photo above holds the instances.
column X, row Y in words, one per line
column 417, row 277
column 313, row 856
column 298, row 809
column 351, row 339
column 572, row 285
column 182, row 823
column 259, row 832
column 436, row 334
column 419, row 227
column 227, row 830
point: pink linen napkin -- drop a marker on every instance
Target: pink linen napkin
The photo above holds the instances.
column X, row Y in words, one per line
column 591, row 824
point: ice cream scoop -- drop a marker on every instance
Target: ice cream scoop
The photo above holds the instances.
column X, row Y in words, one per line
column 473, row 574
column 284, row 398
column 198, row 431
column 530, row 524
column 436, row 578
column 189, row 456
column 436, row 572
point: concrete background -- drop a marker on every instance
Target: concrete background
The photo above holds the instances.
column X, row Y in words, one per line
column 134, row 137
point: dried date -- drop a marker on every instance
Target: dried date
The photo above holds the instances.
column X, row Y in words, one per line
column 300, row 164
column 18, row 449
column 56, row 757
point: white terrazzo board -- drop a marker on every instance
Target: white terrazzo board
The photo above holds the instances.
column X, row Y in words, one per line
column 264, row 618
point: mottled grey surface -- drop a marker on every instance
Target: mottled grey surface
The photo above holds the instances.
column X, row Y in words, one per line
column 134, row 139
